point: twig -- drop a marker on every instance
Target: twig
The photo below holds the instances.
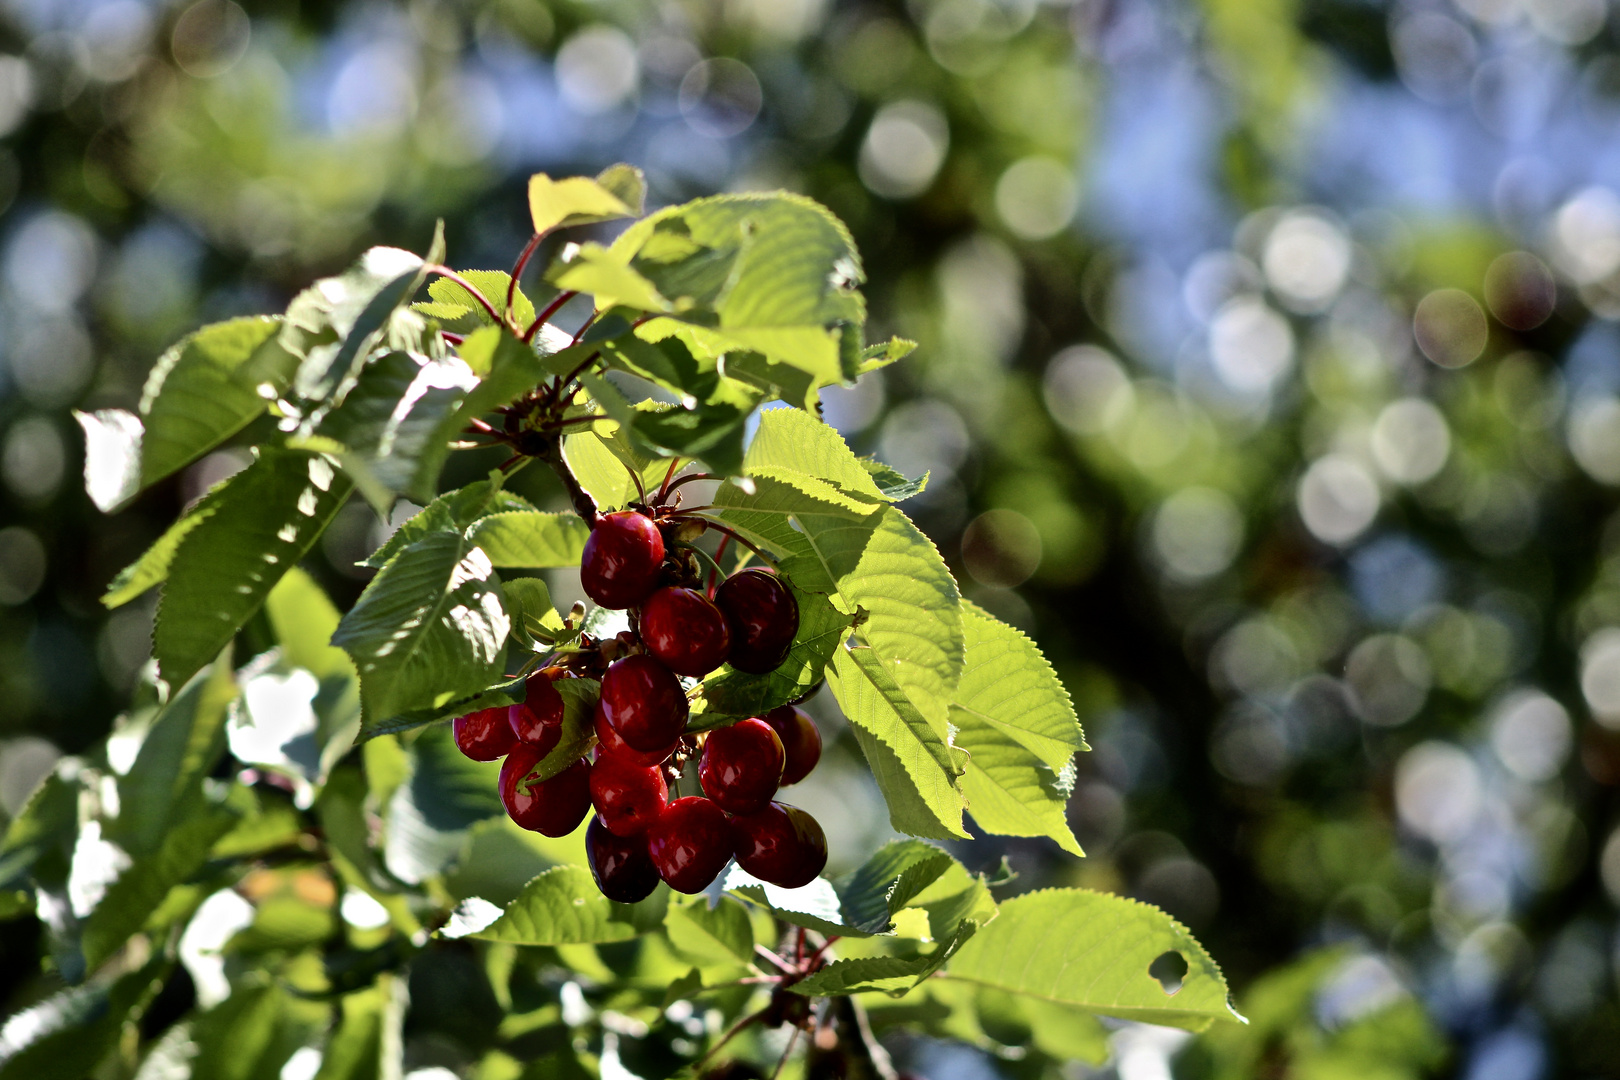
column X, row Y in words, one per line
column 787, row 969
column 864, row 1053
column 689, row 477
column 663, row 489
column 586, row 325
column 517, row 272
column 472, row 290
column 584, row 505
column 579, row 369
column 731, row 1032
column 719, row 528
column 793, row 1038
column 545, row 316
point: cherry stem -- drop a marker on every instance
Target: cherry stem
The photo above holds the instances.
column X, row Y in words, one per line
column 713, row 578
column 787, row 969
column 719, row 528
column 579, row 370
column 472, row 290
column 586, row 325
column 545, row 316
column 786, row 1051
column 688, row 478
column 663, row 489
column 731, row 1033
column 706, row 559
column 452, row 338
column 518, row 268
column 825, row 945
column 635, row 478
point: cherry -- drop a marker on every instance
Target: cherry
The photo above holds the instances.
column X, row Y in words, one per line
column 538, row 717
column 628, row 798
column 690, row 843
column 800, row 741
column 622, row 558
column 484, row 735
column 620, row 864
column 643, row 702
column 684, row 630
column 763, row 617
column 613, row 746
column 741, row 766
column 781, row 844
column 553, row 807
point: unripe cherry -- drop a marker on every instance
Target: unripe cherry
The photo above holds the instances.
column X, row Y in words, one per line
column 690, row 843
column 484, row 735
column 620, row 864
column 685, row 631
column 622, row 559
column 553, row 807
column 741, row 766
column 628, row 798
column 612, row 745
column 538, row 717
column 801, row 742
column 781, row 844
column 643, row 701
column 763, row 617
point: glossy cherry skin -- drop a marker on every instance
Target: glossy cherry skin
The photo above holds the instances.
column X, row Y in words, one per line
column 622, row 559
column 763, row 617
column 685, row 631
column 538, row 717
column 554, row 807
column 690, row 843
column 781, row 844
column 643, row 701
column 628, row 798
column 800, row 741
column 741, row 766
column 484, row 735
column 612, row 746
column 620, row 864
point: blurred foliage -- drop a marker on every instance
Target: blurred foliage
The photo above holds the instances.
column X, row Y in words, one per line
column 1267, row 375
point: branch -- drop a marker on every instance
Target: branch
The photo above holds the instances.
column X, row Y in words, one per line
column 517, row 272
column 472, row 290
column 545, row 316
column 584, row 505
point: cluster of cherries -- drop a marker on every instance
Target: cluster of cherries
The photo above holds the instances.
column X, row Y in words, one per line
column 639, row 835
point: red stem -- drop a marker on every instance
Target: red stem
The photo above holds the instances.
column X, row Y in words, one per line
column 584, row 327
column 545, row 316
column 719, row 551
column 663, row 489
column 517, row 272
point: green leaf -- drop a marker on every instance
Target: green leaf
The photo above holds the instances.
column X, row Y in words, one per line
column 67, row 1035
column 262, row 522
column 152, row 568
column 47, row 825
column 304, row 620
column 181, row 746
column 454, row 511
column 358, row 1045
column 914, row 767
column 608, row 277
column 528, row 601
column 112, row 456
column 429, row 815
column 891, row 483
column 563, row 906
column 863, row 902
column 729, row 692
column 454, row 305
column 1092, row 951
column 578, row 727
column 604, row 463
column 332, row 325
column 428, row 628
column 886, row 974
column 795, row 440
column 884, row 354
column 499, row 694
column 710, row 936
column 1014, row 719
column 530, row 539
column 142, row 886
column 578, row 200
column 207, row 388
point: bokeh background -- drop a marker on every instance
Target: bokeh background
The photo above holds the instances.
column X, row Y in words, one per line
column 1269, row 375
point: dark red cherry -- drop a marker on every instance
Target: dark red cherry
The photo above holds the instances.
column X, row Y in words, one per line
column 642, row 700
column 741, row 766
column 553, row 807
column 538, row 717
column 685, row 631
column 690, row 843
column 622, row 558
column 613, row 746
column 800, row 741
column 484, row 735
column 628, row 798
column 620, row 864
column 781, row 844
column 763, row 617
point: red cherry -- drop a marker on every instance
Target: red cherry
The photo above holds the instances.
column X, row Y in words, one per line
column 643, row 702
column 620, row 864
column 538, row 717
column 484, row 735
column 685, row 631
column 553, row 807
column 628, row 798
column 800, row 741
column 690, row 843
column 622, row 558
column 613, row 746
column 781, row 844
column 741, row 766
column 763, row 617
